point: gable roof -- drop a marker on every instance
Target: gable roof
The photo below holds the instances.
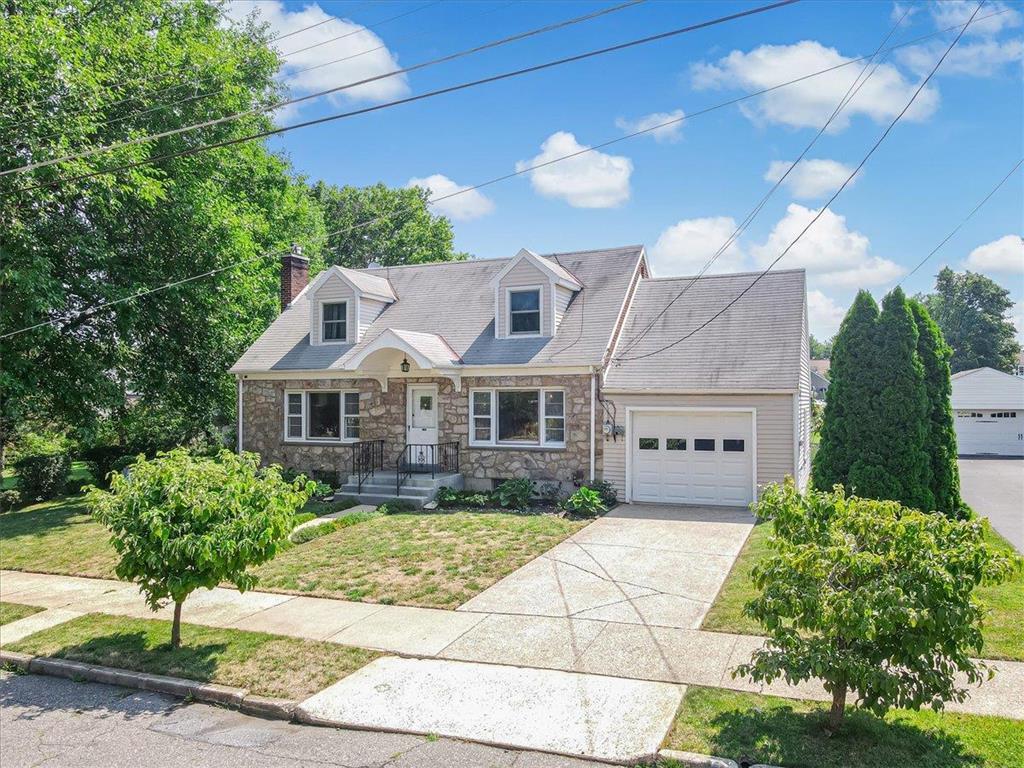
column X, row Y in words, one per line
column 756, row 345
column 372, row 286
column 455, row 300
column 987, row 389
column 553, row 269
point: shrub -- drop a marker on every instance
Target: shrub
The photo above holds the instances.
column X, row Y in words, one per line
column 585, row 502
column 181, row 522
column 449, row 497
column 104, row 459
column 870, row 597
column 396, row 507
column 322, row 490
column 514, row 494
column 9, row 499
column 43, row 476
column 606, row 491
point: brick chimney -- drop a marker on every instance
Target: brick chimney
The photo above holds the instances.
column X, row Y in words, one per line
column 294, row 275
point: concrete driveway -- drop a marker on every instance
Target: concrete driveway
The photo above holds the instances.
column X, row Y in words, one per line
column 657, row 565
column 995, row 489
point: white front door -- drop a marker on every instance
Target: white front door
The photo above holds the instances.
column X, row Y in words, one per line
column 421, row 421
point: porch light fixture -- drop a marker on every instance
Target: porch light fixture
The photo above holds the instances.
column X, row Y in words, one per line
column 405, row 364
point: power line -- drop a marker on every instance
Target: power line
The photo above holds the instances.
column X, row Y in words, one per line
column 314, row 26
column 847, row 97
column 967, row 218
column 489, row 182
column 405, row 70
column 362, row 28
column 824, row 208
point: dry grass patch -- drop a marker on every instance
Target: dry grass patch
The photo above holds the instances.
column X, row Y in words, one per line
column 268, row 665
column 436, row 560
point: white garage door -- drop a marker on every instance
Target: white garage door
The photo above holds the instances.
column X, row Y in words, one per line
column 692, row 457
column 994, row 432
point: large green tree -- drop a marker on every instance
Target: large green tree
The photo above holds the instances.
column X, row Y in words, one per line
column 845, row 430
column 891, row 461
column 820, row 350
column 383, row 224
column 971, row 310
column 89, row 73
column 934, row 354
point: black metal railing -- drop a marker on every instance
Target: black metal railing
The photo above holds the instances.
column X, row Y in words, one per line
column 426, row 458
column 367, row 458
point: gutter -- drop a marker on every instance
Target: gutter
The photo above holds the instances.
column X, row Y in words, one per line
column 593, row 394
column 239, row 430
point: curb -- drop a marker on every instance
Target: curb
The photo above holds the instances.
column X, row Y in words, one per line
column 210, row 693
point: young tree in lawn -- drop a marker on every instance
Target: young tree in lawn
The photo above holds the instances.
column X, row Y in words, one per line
column 941, row 439
column 181, row 522
column 846, row 424
column 889, row 461
column 870, row 597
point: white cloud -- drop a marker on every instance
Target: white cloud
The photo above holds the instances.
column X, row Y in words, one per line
column 950, row 13
column 810, row 102
column 823, row 315
column 685, row 247
column 811, row 178
column 978, row 59
column 832, row 254
column 668, row 134
column 591, row 180
column 374, row 57
column 1003, row 255
column 463, row 207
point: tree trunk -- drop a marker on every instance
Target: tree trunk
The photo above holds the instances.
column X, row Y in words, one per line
column 835, row 715
column 176, row 626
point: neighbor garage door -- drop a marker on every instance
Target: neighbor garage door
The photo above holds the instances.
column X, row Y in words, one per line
column 692, row 457
column 1000, row 433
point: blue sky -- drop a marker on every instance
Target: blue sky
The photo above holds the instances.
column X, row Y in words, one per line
column 681, row 190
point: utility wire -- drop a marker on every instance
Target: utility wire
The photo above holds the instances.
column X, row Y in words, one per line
column 318, row 24
column 847, row 97
column 967, row 218
column 478, row 186
column 819, row 214
column 362, row 28
column 405, row 70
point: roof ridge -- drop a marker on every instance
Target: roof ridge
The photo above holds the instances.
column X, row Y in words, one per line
column 669, row 278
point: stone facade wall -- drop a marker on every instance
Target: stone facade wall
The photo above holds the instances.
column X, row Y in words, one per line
column 383, row 417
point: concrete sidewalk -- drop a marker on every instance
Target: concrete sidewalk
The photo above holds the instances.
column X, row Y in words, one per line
column 582, row 645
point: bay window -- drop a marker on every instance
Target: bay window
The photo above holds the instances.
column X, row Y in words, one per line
column 517, row 417
column 321, row 416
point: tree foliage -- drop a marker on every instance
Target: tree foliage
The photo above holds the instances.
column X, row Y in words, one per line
column 180, row 522
column 820, row 350
column 382, row 224
column 870, row 597
column 971, row 309
column 91, row 74
column 940, row 443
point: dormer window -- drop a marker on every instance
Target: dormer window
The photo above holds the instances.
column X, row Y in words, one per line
column 334, row 320
column 524, row 312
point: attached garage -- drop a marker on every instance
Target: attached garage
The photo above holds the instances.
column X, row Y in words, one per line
column 988, row 406
column 692, row 456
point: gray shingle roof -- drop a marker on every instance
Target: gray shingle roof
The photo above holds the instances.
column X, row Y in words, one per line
column 454, row 300
column 755, row 345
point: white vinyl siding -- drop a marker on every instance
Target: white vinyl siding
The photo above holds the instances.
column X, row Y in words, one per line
column 369, row 310
column 774, row 428
column 332, row 291
column 524, row 275
column 562, row 298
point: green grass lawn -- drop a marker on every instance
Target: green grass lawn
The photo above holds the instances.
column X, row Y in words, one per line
column 1003, row 629
column 268, row 665
column 438, row 560
column 13, row 611
column 789, row 732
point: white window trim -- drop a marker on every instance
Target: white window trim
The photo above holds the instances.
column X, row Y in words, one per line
column 542, row 441
column 509, row 290
column 348, row 325
column 305, row 439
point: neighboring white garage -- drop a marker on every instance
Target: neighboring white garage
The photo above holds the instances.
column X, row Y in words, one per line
column 988, row 410
column 691, row 457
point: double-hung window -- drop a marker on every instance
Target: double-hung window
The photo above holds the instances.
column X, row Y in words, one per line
column 321, row 416
column 334, row 321
column 524, row 312
column 518, row 417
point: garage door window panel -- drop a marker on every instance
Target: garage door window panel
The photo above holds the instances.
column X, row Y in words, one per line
column 675, row 444
column 704, row 444
column 648, row 443
column 733, row 446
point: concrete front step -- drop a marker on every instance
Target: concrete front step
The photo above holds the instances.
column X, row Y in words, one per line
column 451, row 480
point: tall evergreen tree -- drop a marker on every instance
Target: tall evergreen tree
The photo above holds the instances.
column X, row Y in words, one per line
column 892, row 461
column 941, row 442
column 849, row 395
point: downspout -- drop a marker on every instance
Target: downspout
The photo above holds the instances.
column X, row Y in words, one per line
column 239, row 430
column 593, row 395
